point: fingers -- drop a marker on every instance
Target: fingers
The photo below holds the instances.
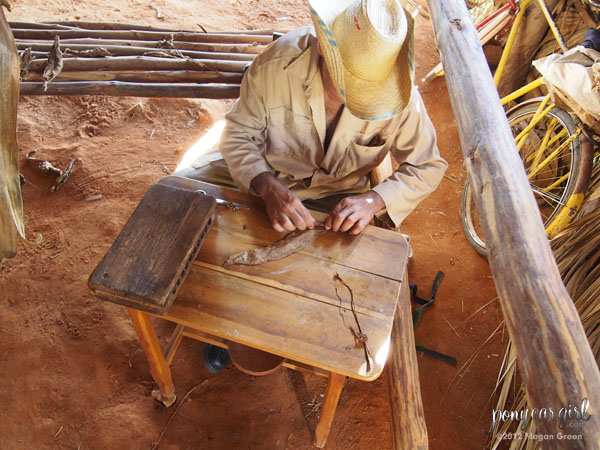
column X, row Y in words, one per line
column 352, row 215
column 359, row 226
column 330, row 221
column 349, row 222
column 339, row 218
column 277, row 227
column 286, row 223
column 307, row 217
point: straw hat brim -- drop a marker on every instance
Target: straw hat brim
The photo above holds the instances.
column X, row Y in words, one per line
column 368, row 100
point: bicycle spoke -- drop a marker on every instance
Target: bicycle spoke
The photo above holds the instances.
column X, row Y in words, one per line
column 553, row 155
column 546, row 195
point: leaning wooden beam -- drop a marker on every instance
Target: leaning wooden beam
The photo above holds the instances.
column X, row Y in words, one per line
column 142, row 63
column 20, row 33
column 149, row 76
column 123, row 50
column 124, row 89
column 554, row 356
column 180, row 45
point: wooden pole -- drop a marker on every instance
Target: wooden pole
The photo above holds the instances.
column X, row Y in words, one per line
column 140, row 35
column 124, row 50
column 142, row 63
column 114, row 26
column 149, row 76
column 180, row 45
column 554, row 356
column 124, row 89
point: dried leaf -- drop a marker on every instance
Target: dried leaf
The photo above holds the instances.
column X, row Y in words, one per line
column 292, row 243
column 26, row 58
column 54, row 64
column 65, row 176
column 91, row 53
column 43, row 166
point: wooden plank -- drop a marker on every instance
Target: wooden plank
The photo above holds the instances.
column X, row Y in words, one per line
column 147, row 263
column 377, row 251
column 280, row 322
column 408, row 420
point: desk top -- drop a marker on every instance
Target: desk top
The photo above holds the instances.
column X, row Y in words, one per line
column 289, row 307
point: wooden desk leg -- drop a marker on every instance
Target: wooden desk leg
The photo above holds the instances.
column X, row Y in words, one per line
column 408, row 421
column 335, row 384
column 158, row 365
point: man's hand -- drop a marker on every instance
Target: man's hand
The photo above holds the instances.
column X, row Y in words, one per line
column 285, row 210
column 354, row 213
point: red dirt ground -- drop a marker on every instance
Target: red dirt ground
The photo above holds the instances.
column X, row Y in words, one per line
column 73, row 373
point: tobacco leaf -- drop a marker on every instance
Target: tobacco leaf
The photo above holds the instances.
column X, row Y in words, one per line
column 11, row 203
column 26, row 59
column 41, row 165
column 292, row 243
column 91, row 53
column 54, row 64
column 62, row 179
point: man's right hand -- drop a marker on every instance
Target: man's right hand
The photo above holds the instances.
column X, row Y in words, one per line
column 285, row 210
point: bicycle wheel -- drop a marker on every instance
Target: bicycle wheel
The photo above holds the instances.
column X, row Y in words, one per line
column 551, row 154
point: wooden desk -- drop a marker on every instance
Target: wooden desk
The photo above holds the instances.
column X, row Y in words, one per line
column 287, row 307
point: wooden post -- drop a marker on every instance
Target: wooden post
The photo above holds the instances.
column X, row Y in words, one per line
column 408, row 420
column 335, row 384
column 158, row 364
column 554, row 356
column 11, row 204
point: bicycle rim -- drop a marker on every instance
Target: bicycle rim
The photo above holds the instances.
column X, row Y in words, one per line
column 551, row 155
column 470, row 221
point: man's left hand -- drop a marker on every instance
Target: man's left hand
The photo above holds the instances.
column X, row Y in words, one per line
column 354, row 213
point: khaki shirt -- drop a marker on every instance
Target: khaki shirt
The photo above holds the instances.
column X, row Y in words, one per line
column 278, row 126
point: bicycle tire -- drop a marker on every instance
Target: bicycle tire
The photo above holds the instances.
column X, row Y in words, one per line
column 566, row 163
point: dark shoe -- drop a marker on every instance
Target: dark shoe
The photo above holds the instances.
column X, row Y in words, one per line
column 592, row 39
column 215, row 358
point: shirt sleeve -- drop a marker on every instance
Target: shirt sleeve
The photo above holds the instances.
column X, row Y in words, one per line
column 242, row 143
column 420, row 168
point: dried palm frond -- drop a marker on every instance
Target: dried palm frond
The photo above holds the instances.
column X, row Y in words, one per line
column 577, row 253
column 478, row 9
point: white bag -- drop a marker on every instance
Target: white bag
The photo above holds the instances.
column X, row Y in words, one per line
column 575, row 78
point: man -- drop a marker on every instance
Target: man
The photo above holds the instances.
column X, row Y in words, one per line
column 315, row 117
column 319, row 109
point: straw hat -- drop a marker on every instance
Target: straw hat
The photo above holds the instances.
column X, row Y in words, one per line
column 368, row 49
